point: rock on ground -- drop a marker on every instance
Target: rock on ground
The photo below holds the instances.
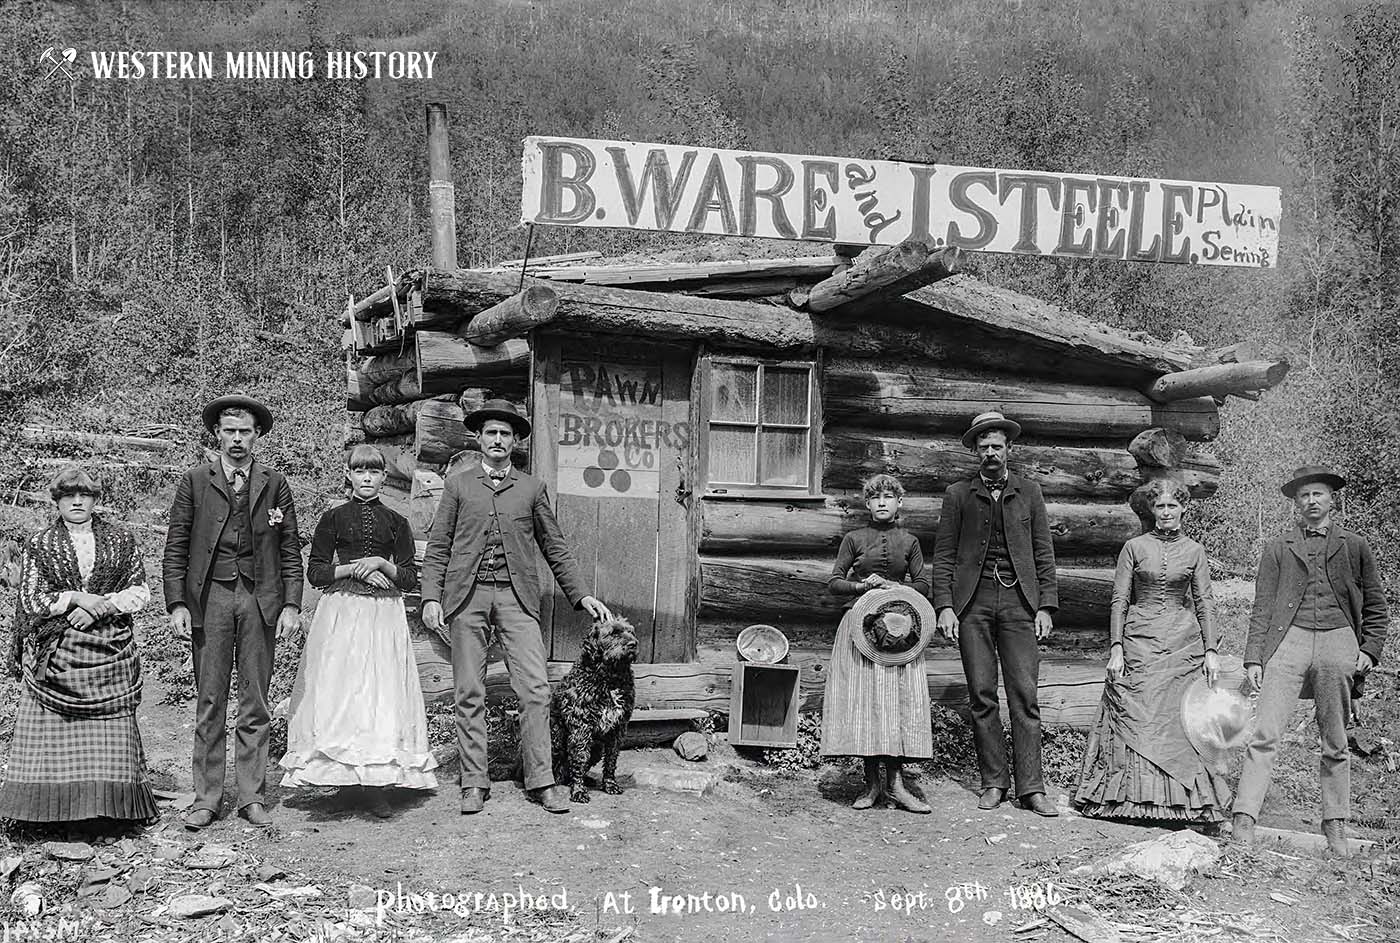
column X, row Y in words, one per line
column 1169, row 859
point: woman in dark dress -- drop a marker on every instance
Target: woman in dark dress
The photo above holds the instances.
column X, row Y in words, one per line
column 877, row 711
column 1138, row 763
column 77, row 750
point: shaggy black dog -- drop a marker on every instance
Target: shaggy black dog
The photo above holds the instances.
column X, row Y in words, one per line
column 592, row 705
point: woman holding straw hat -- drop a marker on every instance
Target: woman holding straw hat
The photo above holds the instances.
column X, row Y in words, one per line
column 876, row 704
column 1138, row 763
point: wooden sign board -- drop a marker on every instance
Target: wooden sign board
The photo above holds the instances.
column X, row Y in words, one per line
column 671, row 188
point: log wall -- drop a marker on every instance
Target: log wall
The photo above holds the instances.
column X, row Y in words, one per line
column 898, row 387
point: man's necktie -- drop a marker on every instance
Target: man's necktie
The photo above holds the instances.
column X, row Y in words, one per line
column 240, row 478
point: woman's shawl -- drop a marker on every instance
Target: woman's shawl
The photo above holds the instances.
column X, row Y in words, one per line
column 91, row 672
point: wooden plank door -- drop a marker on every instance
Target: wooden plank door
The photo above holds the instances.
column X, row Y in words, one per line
column 613, row 441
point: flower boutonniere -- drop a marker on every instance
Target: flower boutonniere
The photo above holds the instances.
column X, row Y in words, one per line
column 274, row 517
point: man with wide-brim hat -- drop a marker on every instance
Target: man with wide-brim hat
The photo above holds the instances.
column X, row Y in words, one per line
column 995, row 591
column 233, row 582
column 480, row 570
column 1319, row 622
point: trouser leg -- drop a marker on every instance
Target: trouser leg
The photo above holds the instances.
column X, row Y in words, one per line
column 1020, row 667
column 256, row 640
column 1283, row 680
column 1334, row 661
column 212, row 645
column 468, row 634
column 523, row 645
column 977, row 646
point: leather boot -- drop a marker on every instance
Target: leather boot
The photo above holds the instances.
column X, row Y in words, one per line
column 1244, row 830
column 899, row 793
column 990, row 798
column 873, row 785
column 1335, row 831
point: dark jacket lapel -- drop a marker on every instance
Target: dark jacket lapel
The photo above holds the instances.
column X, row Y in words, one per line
column 1294, row 540
column 257, row 483
column 216, row 475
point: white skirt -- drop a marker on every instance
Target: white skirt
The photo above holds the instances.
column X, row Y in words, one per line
column 357, row 716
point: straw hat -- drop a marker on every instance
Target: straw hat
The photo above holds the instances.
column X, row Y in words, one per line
column 1216, row 720
column 984, row 422
column 893, row 625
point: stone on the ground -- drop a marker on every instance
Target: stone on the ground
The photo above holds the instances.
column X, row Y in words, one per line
column 142, row 879
column 114, row 896
column 9, row 865
column 362, row 897
column 211, row 857
column 1085, row 923
column 270, row 872
column 695, row 782
column 198, row 905
column 1169, row 859
column 28, row 899
column 68, row 850
column 692, row 746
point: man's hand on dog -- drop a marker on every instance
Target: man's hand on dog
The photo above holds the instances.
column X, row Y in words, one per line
column 595, row 607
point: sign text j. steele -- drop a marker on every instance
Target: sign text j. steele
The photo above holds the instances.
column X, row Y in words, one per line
column 669, row 188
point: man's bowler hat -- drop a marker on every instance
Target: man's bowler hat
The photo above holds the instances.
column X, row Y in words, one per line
column 501, row 409
column 987, row 421
column 261, row 414
column 1308, row 474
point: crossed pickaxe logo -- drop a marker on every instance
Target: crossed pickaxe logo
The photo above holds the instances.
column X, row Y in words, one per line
column 60, row 59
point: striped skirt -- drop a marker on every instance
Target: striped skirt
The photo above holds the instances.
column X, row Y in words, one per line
column 874, row 710
column 65, row 769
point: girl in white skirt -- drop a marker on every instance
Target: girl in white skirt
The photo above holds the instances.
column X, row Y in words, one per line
column 357, row 717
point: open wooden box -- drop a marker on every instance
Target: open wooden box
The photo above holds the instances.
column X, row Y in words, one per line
column 763, row 705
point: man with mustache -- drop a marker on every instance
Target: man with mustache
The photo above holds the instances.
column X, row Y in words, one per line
column 995, row 591
column 479, row 569
column 232, row 572
column 1317, row 629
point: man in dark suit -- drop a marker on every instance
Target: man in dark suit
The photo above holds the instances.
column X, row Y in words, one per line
column 1319, row 622
column 480, row 568
column 995, row 591
column 232, row 571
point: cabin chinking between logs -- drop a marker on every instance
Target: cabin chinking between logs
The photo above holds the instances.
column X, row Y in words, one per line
column 902, row 376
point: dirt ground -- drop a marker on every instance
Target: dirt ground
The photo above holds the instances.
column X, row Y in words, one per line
column 770, row 853
column 779, row 853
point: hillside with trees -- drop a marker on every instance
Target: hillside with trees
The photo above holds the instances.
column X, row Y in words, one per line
column 164, row 241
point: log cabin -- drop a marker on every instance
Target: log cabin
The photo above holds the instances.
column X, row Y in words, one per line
column 704, row 428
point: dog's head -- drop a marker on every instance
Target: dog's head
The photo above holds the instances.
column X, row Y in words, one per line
column 611, row 641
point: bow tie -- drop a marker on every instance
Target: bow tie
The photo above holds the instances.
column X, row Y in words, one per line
column 498, row 475
column 1309, row 532
column 994, row 485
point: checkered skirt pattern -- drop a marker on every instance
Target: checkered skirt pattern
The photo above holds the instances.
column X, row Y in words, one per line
column 65, row 769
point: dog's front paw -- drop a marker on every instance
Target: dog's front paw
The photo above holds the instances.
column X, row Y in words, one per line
column 611, row 787
column 578, row 794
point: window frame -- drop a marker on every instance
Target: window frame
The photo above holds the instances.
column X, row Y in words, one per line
column 730, row 490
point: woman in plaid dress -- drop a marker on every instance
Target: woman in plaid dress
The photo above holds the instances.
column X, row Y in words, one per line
column 77, row 751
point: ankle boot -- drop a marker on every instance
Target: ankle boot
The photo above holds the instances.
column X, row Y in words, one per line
column 872, row 785
column 1243, row 832
column 899, row 793
column 1335, row 831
